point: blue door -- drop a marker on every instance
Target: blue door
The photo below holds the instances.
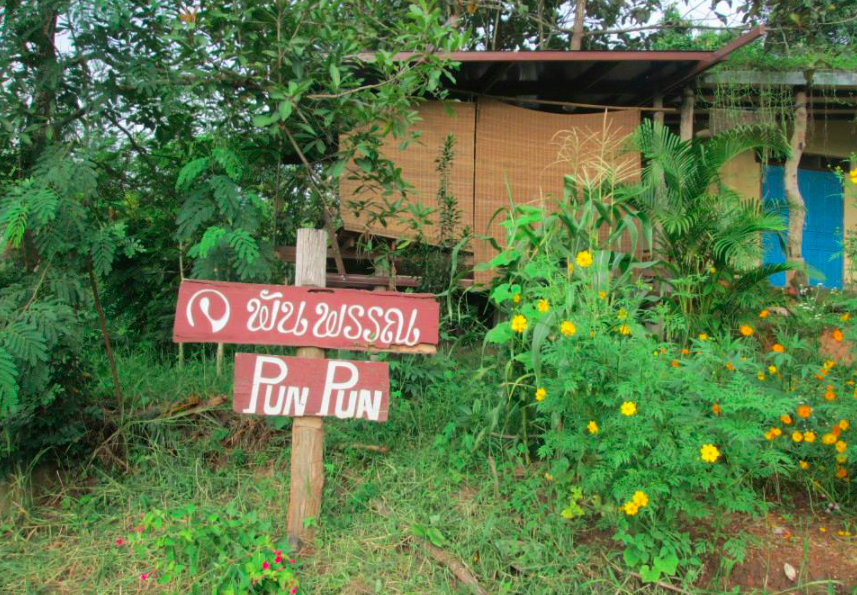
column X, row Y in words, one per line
column 822, row 233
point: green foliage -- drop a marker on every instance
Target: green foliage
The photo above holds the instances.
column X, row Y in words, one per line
column 708, row 236
column 227, row 551
column 42, row 375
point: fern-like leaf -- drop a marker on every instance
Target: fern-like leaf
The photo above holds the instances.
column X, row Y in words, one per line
column 8, row 383
column 190, row 172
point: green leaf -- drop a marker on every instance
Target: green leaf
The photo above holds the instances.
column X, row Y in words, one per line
column 8, row 383
column 501, row 333
column 190, row 172
column 649, row 575
column 285, row 109
column 263, row 121
column 334, row 76
column 667, row 563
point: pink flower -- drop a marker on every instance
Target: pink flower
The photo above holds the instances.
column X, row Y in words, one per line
column 278, row 559
column 294, row 590
column 291, row 560
column 120, row 542
column 138, row 529
column 265, row 565
column 144, row 576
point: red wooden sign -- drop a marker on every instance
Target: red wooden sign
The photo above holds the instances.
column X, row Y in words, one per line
column 218, row 312
column 298, row 387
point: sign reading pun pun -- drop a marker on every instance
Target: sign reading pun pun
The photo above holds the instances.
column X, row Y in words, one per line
column 295, row 387
column 246, row 313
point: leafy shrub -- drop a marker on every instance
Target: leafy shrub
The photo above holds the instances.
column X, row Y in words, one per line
column 231, row 550
column 44, row 381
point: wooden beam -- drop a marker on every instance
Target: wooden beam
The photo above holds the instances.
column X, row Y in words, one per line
column 658, row 105
column 686, row 126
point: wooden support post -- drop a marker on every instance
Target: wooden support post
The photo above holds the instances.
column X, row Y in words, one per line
column 218, row 359
column 659, row 115
column 307, row 462
column 686, row 126
column 797, row 206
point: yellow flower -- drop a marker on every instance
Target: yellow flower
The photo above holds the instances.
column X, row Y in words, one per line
column 764, row 313
column 544, row 306
column 809, row 436
column 592, row 427
column 602, row 294
column 829, row 364
column 843, row 424
column 640, row 499
column 746, row 330
column 709, row 453
column 622, row 315
column 628, row 408
column 760, row 375
column 797, row 437
column 829, row 439
column 541, row 393
column 804, row 411
column 841, row 458
column 840, row 446
column 776, row 431
column 624, row 330
column 584, row 259
column 786, row 419
column 712, row 270
column 845, row 317
column 703, row 337
column 519, row 323
column 549, row 476
column 772, row 369
column 567, row 328
column 570, row 266
column 769, row 435
column 517, row 298
column 803, row 465
column 630, row 508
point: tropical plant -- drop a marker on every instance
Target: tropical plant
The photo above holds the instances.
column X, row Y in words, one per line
column 707, row 236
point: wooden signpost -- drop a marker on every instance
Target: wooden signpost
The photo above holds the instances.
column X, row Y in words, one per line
column 307, row 387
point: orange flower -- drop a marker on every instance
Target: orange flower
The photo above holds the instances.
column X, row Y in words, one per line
column 729, row 366
column 804, row 411
column 778, row 348
column 837, row 335
column 786, row 419
column 843, row 424
column 716, row 408
column 685, row 351
column 829, row 395
column 841, row 472
column 674, row 363
column 746, row 330
column 764, row 313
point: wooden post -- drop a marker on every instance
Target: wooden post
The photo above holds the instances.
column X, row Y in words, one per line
column 686, row 126
column 218, row 359
column 797, row 206
column 307, row 462
column 659, row 104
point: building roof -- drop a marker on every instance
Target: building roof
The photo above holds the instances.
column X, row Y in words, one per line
column 588, row 78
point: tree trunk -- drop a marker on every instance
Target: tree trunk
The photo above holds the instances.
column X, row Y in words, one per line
column 577, row 30
column 797, row 206
column 108, row 349
column 658, row 115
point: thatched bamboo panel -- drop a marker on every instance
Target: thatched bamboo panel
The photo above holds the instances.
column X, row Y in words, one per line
column 522, row 155
column 417, row 163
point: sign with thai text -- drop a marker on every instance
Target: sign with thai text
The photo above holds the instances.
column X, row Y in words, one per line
column 247, row 313
column 298, row 387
